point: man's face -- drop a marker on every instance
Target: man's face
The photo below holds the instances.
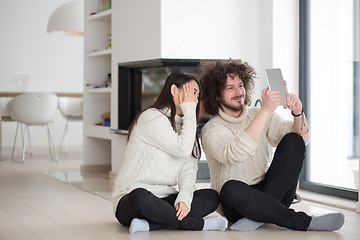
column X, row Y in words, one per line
column 233, row 96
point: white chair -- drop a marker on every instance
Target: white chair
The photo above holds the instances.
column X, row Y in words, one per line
column 34, row 109
column 6, row 118
column 72, row 110
column 4, row 113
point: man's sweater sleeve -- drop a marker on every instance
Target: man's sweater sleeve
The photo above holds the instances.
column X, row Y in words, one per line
column 278, row 128
column 224, row 146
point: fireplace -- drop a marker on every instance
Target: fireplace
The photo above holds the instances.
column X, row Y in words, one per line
column 140, row 82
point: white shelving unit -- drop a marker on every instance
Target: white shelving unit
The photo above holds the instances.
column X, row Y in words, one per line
column 100, row 16
column 97, row 101
column 98, row 90
column 98, row 132
column 97, row 53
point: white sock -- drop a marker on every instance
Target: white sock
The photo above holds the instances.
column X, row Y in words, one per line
column 217, row 223
column 139, row 225
column 327, row 222
column 245, row 224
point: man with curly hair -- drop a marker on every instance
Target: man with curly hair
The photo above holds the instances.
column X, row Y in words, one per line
column 255, row 185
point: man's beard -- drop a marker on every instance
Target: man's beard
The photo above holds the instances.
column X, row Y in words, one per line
column 233, row 108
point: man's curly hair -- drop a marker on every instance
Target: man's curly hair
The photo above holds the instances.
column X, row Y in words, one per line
column 213, row 78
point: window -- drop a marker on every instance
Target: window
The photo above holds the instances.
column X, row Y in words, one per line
column 329, row 85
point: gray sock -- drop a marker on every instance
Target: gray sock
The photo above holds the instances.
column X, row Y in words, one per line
column 327, row 222
column 139, row 225
column 245, row 224
column 217, row 223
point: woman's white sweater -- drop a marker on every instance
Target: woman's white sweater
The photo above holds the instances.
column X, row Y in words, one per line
column 157, row 158
column 232, row 154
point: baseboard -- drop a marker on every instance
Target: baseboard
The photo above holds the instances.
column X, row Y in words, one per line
column 331, row 201
column 102, row 168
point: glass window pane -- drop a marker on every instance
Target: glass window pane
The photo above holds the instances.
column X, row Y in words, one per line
column 334, row 92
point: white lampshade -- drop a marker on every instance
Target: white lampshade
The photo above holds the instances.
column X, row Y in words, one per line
column 68, row 19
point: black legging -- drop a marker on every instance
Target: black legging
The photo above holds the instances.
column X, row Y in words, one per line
column 160, row 212
column 269, row 200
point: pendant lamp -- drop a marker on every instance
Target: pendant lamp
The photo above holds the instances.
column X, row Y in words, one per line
column 67, row 19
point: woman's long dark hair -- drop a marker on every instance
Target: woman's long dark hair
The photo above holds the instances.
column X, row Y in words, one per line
column 165, row 99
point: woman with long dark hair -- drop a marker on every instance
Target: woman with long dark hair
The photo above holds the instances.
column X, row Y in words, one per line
column 162, row 154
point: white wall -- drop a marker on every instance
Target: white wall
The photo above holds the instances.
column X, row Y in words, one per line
column 266, row 26
column 285, row 45
column 136, row 30
column 210, row 29
column 263, row 33
column 286, row 41
column 55, row 62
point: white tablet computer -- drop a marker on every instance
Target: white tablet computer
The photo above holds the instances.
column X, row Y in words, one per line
column 276, row 82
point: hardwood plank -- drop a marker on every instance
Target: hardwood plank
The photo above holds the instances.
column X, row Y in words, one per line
column 46, row 229
column 10, row 228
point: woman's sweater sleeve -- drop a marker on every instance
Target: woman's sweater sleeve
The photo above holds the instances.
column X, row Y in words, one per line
column 186, row 182
column 156, row 129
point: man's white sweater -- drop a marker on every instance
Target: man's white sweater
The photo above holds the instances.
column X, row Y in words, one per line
column 157, row 158
column 232, row 154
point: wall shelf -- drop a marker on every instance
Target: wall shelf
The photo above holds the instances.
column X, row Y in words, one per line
column 98, row 90
column 97, row 53
column 98, row 132
column 101, row 16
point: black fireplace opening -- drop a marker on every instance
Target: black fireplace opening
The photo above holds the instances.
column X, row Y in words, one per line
column 140, row 82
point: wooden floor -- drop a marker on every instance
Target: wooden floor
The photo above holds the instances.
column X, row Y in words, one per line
column 35, row 204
